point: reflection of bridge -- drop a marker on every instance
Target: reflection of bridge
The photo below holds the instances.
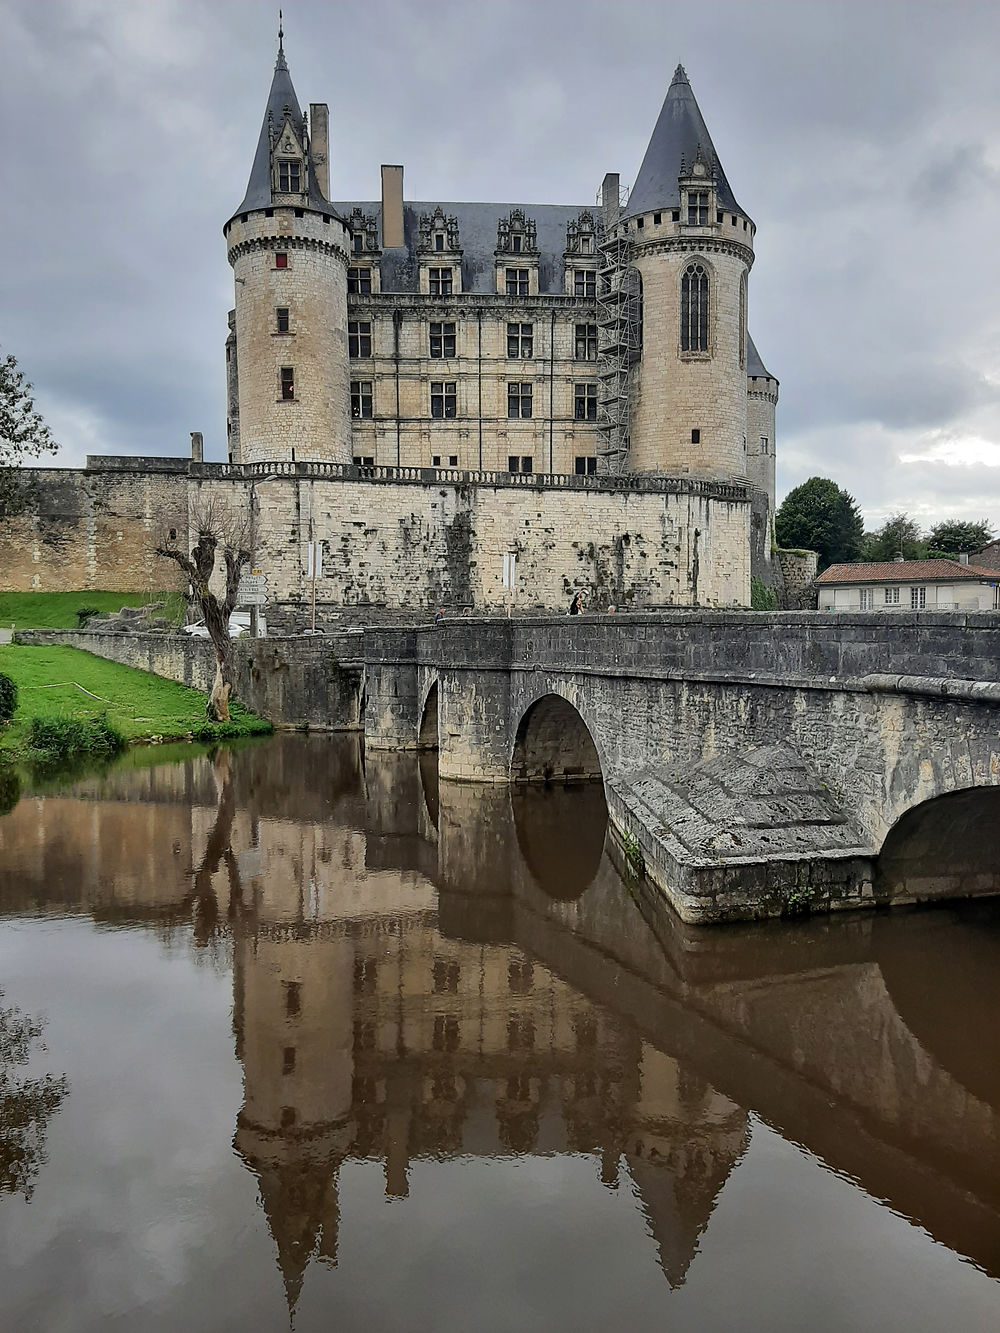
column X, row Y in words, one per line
column 550, row 1001
column 757, row 762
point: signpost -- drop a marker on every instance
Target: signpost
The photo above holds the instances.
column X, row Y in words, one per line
column 252, row 592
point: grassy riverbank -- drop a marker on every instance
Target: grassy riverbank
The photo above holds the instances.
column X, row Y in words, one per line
column 66, row 685
column 57, row 610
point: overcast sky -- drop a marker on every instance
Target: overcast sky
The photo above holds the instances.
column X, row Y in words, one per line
column 863, row 138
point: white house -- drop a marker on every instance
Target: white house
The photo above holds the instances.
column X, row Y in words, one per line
column 909, row 585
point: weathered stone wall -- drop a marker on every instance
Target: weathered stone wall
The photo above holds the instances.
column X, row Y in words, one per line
column 396, row 539
column 798, row 573
column 313, row 682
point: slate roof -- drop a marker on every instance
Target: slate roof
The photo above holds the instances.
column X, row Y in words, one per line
column 906, row 571
column 679, row 134
column 282, row 95
column 755, row 366
column 477, row 236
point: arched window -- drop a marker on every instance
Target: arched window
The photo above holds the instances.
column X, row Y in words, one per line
column 694, row 309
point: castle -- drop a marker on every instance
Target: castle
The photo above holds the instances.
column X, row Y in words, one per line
column 473, row 405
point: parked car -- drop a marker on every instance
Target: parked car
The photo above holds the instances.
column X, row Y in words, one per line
column 239, row 624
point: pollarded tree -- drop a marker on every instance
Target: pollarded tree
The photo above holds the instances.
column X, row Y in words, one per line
column 219, row 531
column 23, row 436
column 955, row 537
column 820, row 516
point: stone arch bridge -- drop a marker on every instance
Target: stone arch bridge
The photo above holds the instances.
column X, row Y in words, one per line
column 756, row 764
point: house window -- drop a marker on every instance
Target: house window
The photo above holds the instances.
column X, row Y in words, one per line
column 361, row 398
column 586, row 465
column 280, row 259
column 867, row 599
column 585, row 402
column 287, row 383
column 518, row 400
column 443, row 398
column 442, row 341
column 694, row 309
column 585, row 347
column 520, row 463
column 517, row 282
column 440, row 281
column 520, row 340
column 359, row 337
column 281, row 319
column 891, row 596
column 697, row 208
column 359, row 282
column 289, row 178
column 918, row 599
column 585, row 283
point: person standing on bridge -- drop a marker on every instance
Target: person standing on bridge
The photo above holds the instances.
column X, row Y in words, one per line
column 576, row 605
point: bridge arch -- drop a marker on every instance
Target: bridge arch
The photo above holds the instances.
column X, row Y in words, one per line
column 947, row 846
column 554, row 744
column 428, row 736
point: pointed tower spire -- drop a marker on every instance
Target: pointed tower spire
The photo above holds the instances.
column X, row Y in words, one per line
column 280, row 63
column 679, row 139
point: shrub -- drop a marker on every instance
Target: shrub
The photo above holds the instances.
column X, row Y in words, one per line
column 60, row 740
column 8, row 699
column 762, row 598
column 85, row 613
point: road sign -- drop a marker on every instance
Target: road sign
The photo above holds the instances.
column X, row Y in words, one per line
column 253, row 582
column 251, row 598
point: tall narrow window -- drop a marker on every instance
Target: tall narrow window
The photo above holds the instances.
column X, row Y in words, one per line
column 697, row 209
column 359, row 338
column 280, row 319
column 694, row 309
column 442, row 341
column 765, row 445
column 361, row 398
column 586, row 342
column 518, row 400
column 585, row 283
column 517, row 282
column 289, row 178
column 358, row 243
column 867, row 599
column 520, row 340
column 287, row 383
column 439, row 241
column 440, row 280
column 585, row 402
column 444, row 399
column 918, row 599
column 359, row 281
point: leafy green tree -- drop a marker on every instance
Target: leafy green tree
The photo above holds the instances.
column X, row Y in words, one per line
column 954, row 536
column 821, row 517
column 23, row 436
column 898, row 535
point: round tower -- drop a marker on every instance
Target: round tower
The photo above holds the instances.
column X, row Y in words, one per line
column 289, row 251
column 692, row 246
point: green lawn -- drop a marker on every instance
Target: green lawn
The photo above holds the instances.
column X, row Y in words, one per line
column 57, row 610
column 65, row 682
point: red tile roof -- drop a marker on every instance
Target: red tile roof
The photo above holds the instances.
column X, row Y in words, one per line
column 906, row 571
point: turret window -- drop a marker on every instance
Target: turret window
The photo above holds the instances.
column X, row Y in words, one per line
column 359, row 338
column 289, row 178
column 694, row 309
column 280, row 259
column 281, row 319
column 697, row 208
column 361, row 398
column 287, row 374
column 359, row 281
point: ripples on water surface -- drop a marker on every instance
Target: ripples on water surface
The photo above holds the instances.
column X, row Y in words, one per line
column 389, row 1056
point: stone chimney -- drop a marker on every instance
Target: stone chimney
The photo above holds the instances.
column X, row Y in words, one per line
column 319, row 142
column 197, row 447
column 392, row 206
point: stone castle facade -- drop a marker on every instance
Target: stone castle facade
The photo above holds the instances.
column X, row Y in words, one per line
column 427, row 389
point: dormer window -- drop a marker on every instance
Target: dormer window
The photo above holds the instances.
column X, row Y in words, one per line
column 515, row 244
column 697, row 208
column 358, row 243
column 289, row 177
column 439, row 241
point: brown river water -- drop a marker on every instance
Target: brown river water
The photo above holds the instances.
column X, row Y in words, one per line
column 318, row 1042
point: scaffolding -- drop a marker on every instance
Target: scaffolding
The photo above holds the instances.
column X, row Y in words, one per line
column 619, row 314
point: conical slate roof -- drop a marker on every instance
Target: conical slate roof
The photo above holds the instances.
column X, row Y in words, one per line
column 679, row 136
column 755, row 366
column 282, row 95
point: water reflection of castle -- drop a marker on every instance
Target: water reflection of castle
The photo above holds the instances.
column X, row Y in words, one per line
column 421, row 979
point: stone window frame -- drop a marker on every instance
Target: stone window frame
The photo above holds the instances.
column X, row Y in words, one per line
column 444, row 399
column 359, row 339
column 697, row 203
column 585, row 401
column 517, row 281
column 286, row 384
column 585, row 284
column 696, row 265
column 585, row 465
column 441, row 281
column 520, row 395
column 520, row 338
column 290, row 175
column 587, row 339
column 521, row 463
column 362, row 400
column 282, row 319
column 442, row 345
column 359, row 280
